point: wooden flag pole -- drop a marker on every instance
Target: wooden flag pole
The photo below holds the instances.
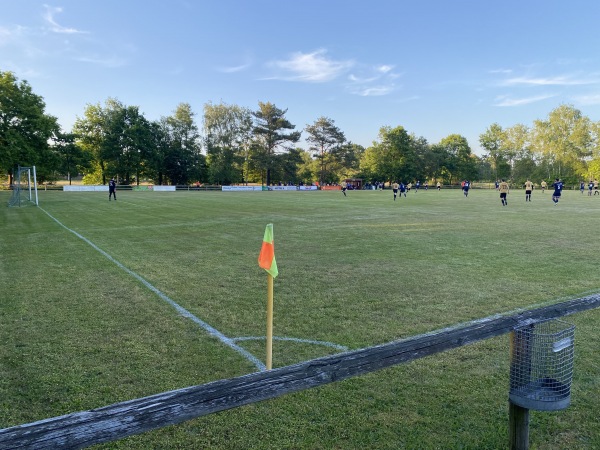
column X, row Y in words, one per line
column 269, row 321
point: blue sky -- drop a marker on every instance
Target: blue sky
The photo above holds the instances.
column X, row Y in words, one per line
column 434, row 67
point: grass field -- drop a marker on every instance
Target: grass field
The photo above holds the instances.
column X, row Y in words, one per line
column 78, row 331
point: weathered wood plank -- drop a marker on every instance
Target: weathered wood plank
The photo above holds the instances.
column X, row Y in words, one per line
column 120, row 420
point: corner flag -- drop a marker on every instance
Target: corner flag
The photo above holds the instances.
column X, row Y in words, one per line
column 266, row 258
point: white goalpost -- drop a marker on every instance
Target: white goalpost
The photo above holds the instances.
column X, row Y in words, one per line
column 24, row 187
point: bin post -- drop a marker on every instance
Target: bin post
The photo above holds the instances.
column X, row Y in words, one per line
column 541, row 373
column 518, row 416
column 518, row 427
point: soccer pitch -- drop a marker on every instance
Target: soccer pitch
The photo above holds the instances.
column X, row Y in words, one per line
column 108, row 301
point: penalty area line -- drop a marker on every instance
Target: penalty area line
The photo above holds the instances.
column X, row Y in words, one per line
column 181, row 310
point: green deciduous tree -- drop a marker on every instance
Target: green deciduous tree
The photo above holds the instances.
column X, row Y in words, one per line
column 346, row 160
column 73, row 159
column 118, row 140
column 308, row 168
column 396, row 159
column 436, row 163
column 463, row 164
column 285, row 168
column 519, row 153
column 492, row 141
column 127, row 142
column 227, row 139
column 91, row 131
column 25, row 128
column 184, row 162
column 402, row 157
column 565, row 140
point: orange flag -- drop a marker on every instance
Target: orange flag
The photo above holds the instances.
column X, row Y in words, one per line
column 266, row 258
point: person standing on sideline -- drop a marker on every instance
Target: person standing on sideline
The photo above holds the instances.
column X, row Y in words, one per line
column 344, row 187
column 395, row 187
column 582, row 187
column 590, row 187
column 596, row 187
column 112, row 189
column 466, row 186
column 544, row 185
column 417, row 186
column 558, row 186
column 504, row 190
column 439, row 185
column 528, row 189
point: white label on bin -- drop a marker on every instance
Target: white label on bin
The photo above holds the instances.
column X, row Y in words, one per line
column 561, row 345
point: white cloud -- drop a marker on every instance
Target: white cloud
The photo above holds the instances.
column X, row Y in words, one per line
column 5, row 35
column 312, row 67
column 234, row 69
column 505, row 100
column 54, row 26
column 317, row 67
column 106, row 62
column 373, row 81
column 384, row 68
column 356, row 79
column 593, row 99
column 566, row 80
column 22, row 72
column 504, row 71
column 14, row 34
column 408, row 99
column 374, row 91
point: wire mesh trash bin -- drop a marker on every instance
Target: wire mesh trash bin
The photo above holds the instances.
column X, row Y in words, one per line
column 541, row 369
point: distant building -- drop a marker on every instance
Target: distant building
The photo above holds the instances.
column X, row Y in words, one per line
column 354, row 183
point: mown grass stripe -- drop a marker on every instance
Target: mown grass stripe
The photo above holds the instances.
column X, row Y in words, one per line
column 181, row 310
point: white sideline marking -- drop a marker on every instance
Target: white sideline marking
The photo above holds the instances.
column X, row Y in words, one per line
column 184, row 312
column 302, row 341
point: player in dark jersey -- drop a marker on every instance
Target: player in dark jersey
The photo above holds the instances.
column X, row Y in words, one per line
column 558, row 186
column 112, row 189
column 402, row 189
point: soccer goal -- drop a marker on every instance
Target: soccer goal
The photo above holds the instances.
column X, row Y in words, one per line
column 24, row 187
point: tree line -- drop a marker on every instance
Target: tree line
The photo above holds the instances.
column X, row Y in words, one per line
column 235, row 145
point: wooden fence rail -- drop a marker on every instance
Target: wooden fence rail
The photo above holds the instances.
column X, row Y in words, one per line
column 82, row 429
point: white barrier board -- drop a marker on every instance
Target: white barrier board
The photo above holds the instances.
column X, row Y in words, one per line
column 85, row 188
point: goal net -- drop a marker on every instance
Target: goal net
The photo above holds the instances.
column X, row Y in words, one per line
column 24, row 187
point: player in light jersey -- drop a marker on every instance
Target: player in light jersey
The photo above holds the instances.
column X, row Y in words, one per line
column 528, row 189
column 504, row 189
